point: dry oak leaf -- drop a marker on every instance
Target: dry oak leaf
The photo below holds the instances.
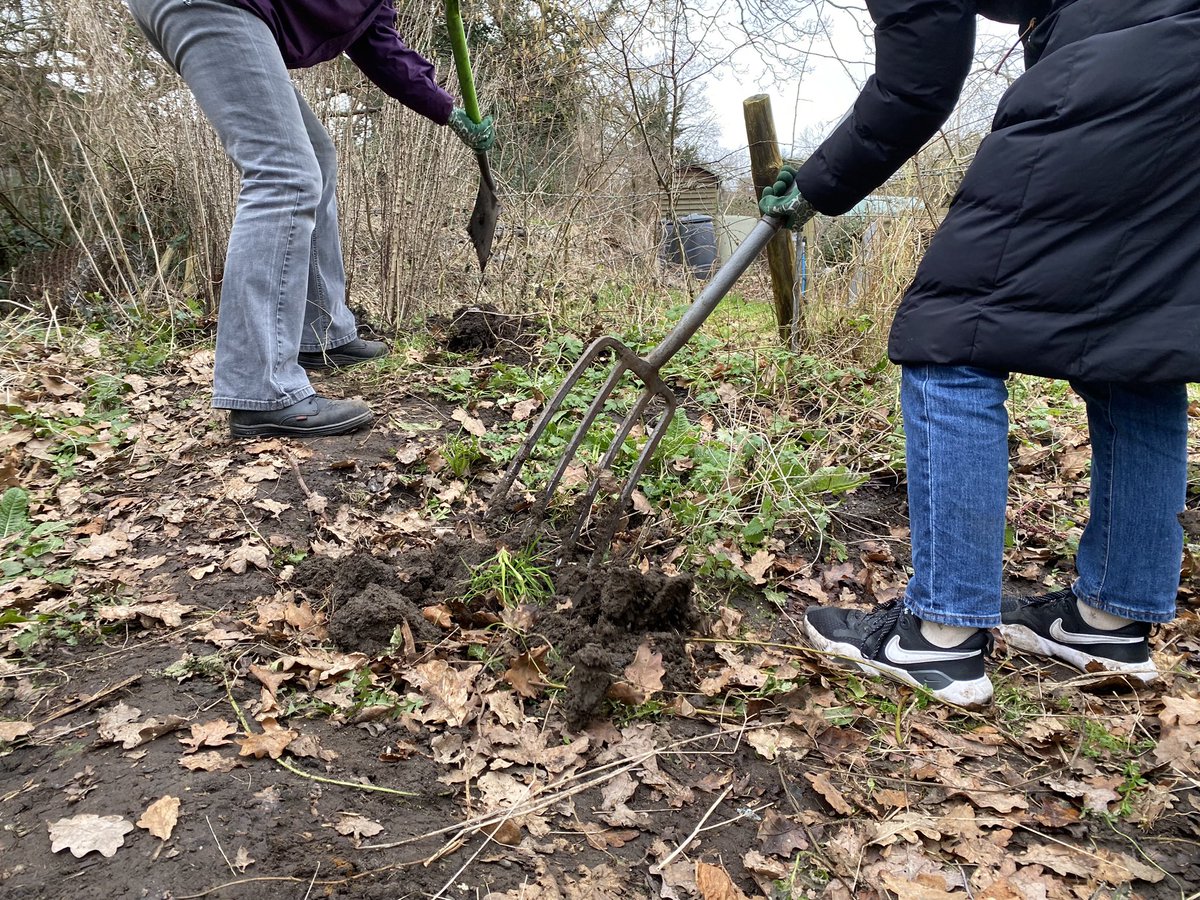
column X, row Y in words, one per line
column 920, row 888
column 471, row 424
column 780, row 836
column 248, row 554
column 758, row 567
column 271, row 742
column 714, row 883
column 1180, row 711
column 169, row 612
column 524, row 409
column 10, row 731
column 448, row 691
column 1094, row 865
column 211, row 761
column 906, row 826
column 270, row 680
column 355, row 826
column 83, row 834
column 160, row 817
column 209, row 734
column 822, row 785
column 527, row 671
column 646, row 671
column 104, row 546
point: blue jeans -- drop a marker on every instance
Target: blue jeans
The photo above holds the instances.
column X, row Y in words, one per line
column 284, row 285
column 956, row 433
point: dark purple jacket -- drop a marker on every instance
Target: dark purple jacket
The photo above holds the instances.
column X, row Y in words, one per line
column 312, row 31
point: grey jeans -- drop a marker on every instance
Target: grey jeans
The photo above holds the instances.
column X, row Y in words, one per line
column 285, row 283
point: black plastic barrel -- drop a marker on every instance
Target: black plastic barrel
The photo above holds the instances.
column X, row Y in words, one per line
column 691, row 240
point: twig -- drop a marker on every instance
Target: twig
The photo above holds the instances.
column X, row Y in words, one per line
column 312, row 881
column 622, row 765
column 217, row 840
column 291, row 767
column 658, row 868
column 487, row 839
column 88, row 701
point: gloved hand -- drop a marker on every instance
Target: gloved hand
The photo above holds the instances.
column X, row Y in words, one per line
column 479, row 136
column 784, row 201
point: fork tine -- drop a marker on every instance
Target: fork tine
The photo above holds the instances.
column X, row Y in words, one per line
column 593, row 412
column 594, row 349
column 643, row 459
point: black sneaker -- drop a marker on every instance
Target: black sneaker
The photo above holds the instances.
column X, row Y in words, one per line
column 312, row 417
column 351, row 354
column 1050, row 625
column 888, row 642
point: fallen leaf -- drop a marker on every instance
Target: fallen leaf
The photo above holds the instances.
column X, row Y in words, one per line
column 822, row 785
column 780, row 836
column 714, row 883
column 471, row 424
column 758, row 566
column 907, row 888
column 526, row 672
column 242, row 859
column 212, row 761
column 10, row 731
column 160, row 817
column 248, row 554
column 646, row 671
column 104, row 546
column 524, row 409
column 169, row 612
column 209, row 734
column 448, row 691
column 83, row 834
column 270, row 743
column 356, row 826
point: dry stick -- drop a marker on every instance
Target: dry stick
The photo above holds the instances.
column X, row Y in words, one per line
column 624, row 764
column 217, row 841
column 658, row 868
column 88, row 701
column 291, row 767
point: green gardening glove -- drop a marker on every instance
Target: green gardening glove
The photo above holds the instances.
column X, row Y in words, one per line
column 479, row 136
column 783, row 200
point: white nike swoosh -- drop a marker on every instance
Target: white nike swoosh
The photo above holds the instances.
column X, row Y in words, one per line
column 1063, row 636
column 894, row 653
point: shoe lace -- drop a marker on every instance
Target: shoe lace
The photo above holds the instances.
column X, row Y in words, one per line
column 878, row 624
column 1052, row 597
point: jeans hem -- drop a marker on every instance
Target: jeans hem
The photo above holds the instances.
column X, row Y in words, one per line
column 1138, row 614
column 264, row 405
column 957, row 620
column 333, row 344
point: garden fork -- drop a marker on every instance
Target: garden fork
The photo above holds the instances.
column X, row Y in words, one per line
column 646, row 369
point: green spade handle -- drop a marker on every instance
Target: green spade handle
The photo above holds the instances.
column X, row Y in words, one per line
column 462, row 62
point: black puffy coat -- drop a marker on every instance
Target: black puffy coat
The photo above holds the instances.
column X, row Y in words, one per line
column 1072, row 248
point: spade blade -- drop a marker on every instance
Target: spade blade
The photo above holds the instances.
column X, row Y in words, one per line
column 482, row 227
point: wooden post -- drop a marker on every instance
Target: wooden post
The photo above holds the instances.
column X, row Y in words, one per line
column 764, row 166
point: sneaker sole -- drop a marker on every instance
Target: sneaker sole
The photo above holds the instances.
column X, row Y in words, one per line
column 268, row 429
column 1025, row 639
column 974, row 694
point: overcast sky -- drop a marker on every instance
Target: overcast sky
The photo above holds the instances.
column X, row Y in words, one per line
column 805, row 107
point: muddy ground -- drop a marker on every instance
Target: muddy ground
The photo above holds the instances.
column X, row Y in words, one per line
column 300, row 601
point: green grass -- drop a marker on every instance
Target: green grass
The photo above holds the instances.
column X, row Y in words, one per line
column 511, row 578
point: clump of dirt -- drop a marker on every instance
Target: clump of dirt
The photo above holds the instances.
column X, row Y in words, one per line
column 599, row 617
column 476, row 328
column 612, row 611
column 368, row 598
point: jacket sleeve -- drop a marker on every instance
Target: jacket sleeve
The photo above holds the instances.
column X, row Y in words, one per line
column 400, row 71
column 923, row 52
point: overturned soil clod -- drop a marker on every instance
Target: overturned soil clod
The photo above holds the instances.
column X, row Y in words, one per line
column 594, row 625
column 482, row 328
